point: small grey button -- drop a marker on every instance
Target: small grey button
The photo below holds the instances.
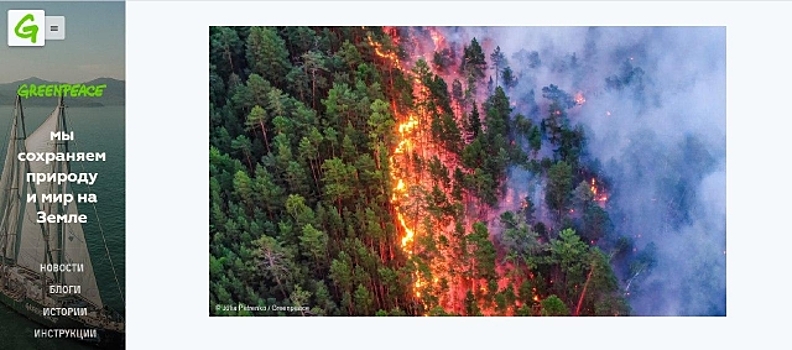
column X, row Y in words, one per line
column 56, row 28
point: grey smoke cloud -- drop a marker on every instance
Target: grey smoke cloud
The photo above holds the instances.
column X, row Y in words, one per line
column 655, row 120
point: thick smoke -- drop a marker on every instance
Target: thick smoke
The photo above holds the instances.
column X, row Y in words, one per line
column 655, row 123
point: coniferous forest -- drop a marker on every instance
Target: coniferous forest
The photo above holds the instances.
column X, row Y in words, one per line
column 410, row 171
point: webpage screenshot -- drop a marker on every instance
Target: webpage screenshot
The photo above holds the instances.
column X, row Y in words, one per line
column 203, row 174
column 62, row 186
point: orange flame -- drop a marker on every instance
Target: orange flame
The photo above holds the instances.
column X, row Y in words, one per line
column 409, row 233
column 579, row 98
column 437, row 38
column 407, row 180
column 381, row 53
column 400, row 191
column 599, row 197
column 407, row 126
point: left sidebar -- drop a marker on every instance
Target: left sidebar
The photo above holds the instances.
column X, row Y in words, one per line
column 62, row 175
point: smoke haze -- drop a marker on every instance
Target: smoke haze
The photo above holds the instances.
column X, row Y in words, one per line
column 655, row 123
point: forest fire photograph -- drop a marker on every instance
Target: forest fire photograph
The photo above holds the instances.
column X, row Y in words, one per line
column 467, row 171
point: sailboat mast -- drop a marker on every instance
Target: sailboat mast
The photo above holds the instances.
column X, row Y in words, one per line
column 6, row 229
column 11, row 223
column 21, row 187
column 62, row 167
column 59, row 228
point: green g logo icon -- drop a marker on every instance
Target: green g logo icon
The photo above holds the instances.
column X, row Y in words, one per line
column 27, row 27
column 29, row 31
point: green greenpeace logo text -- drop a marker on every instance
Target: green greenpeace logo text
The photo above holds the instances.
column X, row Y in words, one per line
column 29, row 31
column 65, row 90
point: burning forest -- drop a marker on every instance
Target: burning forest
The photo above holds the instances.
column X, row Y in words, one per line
column 424, row 171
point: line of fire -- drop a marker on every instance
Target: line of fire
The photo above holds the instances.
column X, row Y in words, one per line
column 421, row 164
